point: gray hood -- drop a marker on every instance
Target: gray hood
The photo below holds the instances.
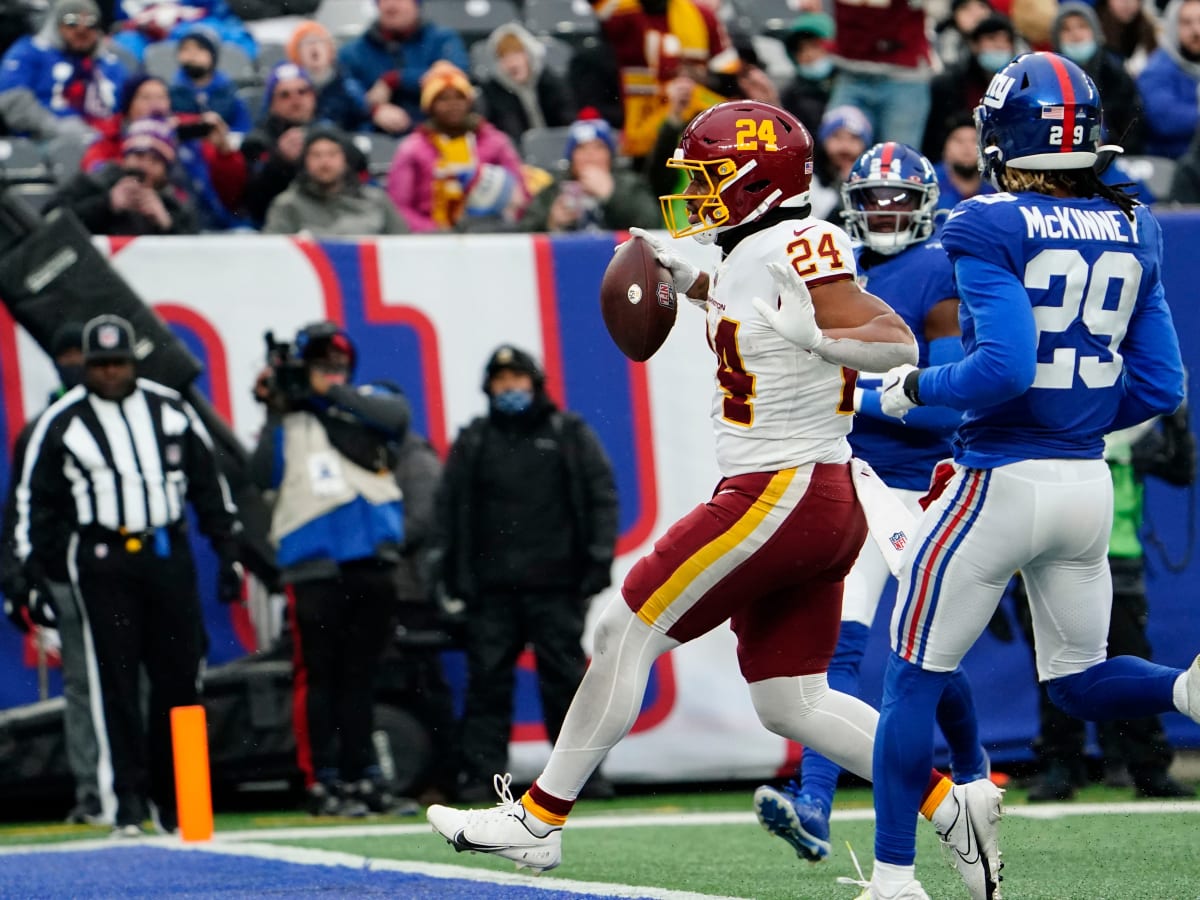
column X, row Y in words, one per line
column 1075, row 8
column 48, row 34
column 533, row 47
column 1170, row 39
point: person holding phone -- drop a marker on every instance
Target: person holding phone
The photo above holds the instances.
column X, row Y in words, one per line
column 591, row 195
column 133, row 196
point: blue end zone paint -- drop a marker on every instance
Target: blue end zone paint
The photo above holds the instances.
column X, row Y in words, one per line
column 153, row 872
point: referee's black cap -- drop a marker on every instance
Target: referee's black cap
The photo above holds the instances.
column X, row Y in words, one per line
column 107, row 337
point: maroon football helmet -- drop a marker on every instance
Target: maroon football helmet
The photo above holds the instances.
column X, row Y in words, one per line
column 745, row 158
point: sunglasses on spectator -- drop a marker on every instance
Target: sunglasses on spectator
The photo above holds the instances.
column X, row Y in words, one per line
column 77, row 20
column 289, row 93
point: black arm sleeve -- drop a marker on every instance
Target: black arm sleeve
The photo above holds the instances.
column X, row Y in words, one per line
column 418, row 474
column 382, row 410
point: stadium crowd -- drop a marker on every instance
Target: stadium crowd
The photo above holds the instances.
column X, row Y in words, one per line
column 443, row 116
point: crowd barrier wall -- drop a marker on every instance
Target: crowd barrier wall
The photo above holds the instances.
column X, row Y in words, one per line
column 426, row 312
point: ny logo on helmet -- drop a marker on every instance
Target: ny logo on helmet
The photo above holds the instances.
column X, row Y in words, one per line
column 998, row 90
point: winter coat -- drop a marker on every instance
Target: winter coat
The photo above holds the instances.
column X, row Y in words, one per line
column 590, row 498
column 403, row 60
column 1169, row 86
column 341, row 100
column 411, row 175
column 86, row 195
column 220, row 96
column 418, row 471
column 631, row 203
column 135, row 34
column 544, row 102
column 355, row 210
column 46, row 92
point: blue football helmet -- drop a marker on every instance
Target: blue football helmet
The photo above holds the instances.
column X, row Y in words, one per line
column 1041, row 111
column 889, row 198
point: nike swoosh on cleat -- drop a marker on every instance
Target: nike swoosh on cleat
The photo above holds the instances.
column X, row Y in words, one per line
column 461, row 842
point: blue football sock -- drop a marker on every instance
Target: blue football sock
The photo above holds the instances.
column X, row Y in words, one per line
column 956, row 717
column 1124, row 687
column 818, row 774
column 903, row 756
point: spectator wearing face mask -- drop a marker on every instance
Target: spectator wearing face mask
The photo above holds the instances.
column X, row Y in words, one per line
column 958, row 173
column 960, row 88
column 199, row 87
column 341, row 99
column 844, row 135
column 1077, row 36
column 522, row 93
column 808, row 44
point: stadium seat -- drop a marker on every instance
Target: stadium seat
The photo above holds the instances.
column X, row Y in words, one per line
column 770, row 17
column 121, row 52
column 378, row 149
column 252, row 95
column 1156, row 171
column 774, row 58
column 543, row 147
column 159, row 60
column 481, row 61
column 570, row 20
column 21, row 160
column 237, row 64
column 346, row 18
column 474, row 20
column 270, row 55
column 64, row 155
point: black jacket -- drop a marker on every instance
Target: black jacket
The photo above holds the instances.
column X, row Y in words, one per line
column 503, row 108
column 86, row 195
column 590, row 498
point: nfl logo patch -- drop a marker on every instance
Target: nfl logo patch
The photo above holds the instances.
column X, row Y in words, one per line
column 898, row 540
column 666, row 295
column 108, row 336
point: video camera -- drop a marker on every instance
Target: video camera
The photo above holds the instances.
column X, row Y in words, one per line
column 288, row 381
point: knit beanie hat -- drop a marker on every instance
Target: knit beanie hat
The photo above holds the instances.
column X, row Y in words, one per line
column 206, row 38
column 284, row 71
column 589, row 127
column 76, row 7
column 150, row 136
column 851, row 118
column 305, row 31
column 130, row 88
column 444, row 75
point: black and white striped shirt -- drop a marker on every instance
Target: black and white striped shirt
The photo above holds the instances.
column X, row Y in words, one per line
column 126, row 465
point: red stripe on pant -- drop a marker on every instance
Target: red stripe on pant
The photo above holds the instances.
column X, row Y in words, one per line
column 299, row 695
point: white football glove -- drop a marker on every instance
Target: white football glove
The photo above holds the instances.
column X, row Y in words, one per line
column 795, row 318
column 895, row 402
column 683, row 273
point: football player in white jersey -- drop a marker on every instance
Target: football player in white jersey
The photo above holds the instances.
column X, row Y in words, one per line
column 769, row 551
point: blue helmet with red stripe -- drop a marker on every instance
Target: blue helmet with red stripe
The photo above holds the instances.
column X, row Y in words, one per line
column 1041, row 111
column 889, row 198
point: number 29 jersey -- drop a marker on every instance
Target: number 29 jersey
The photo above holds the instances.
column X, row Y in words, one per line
column 1093, row 280
column 776, row 406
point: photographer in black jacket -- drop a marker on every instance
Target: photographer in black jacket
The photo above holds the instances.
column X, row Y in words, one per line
column 528, row 525
column 328, row 449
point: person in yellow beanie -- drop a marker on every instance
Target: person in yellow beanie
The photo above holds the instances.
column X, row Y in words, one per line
column 436, row 164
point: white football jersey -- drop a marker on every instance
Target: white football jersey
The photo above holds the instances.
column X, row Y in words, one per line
column 776, row 406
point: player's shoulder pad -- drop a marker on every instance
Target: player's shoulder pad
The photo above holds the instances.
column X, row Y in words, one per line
column 976, row 224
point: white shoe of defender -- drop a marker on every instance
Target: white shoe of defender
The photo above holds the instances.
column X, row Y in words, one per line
column 973, row 838
column 502, row 830
column 1193, row 689
column 911, row 891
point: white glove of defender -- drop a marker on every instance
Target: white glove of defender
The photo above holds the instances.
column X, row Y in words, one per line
column 795, row 318
column 683, row 273
column 894, row 401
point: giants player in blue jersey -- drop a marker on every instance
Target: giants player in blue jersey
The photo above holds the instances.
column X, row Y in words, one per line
column 1067, row 337
column 889, row 200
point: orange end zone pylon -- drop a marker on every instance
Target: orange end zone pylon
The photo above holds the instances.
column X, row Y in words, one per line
column 193, row 790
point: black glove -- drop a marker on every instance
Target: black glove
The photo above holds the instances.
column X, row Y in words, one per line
column 596, row 578
column 229, row 574
column 16, row 608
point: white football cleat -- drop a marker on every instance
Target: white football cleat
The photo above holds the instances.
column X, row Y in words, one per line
column 504, row 830
column 872, row 891
column 1193, row 690
column 973, row 838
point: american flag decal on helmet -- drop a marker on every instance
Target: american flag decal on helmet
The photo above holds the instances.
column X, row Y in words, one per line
column 898, row 540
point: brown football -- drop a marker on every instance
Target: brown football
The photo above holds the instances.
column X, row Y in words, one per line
column 637, row 299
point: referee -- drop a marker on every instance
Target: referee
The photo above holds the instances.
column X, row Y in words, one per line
column 100, row 507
